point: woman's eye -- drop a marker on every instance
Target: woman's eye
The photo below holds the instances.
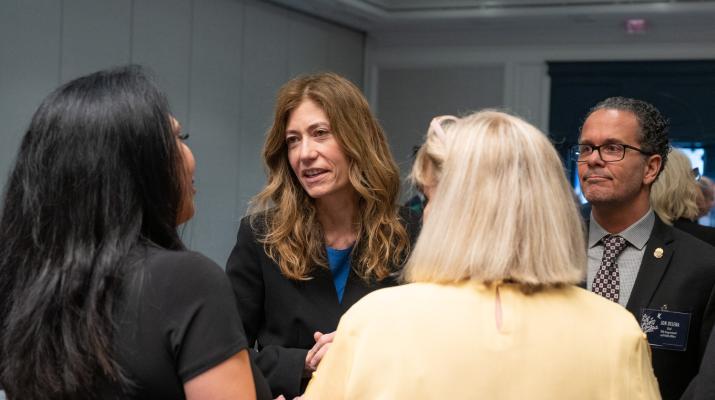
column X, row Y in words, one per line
column 321, row 132
column 290, row 140
column 183, row 136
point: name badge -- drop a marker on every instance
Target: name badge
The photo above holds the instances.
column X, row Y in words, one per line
column 666, row 329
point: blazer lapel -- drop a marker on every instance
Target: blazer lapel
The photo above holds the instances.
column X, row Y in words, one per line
column 354, row 287
column 587, row 220
column 656, row 259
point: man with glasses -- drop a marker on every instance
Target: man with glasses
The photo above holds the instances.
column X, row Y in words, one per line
column 665, row 277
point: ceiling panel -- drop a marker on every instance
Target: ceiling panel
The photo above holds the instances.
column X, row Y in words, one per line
column 374, row 16
column 404, row 5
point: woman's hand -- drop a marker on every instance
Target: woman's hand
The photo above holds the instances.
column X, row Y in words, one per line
column 316, row 354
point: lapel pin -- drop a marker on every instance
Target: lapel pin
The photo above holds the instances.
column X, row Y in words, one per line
column 658, row 253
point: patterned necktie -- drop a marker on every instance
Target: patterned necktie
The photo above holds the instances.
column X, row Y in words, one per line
column 607, row 282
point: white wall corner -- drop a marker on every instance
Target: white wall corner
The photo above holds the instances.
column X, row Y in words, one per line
column 526, row 91
column 370, row 72
column 510, row 86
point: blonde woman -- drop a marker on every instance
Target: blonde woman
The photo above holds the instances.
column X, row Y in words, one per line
column 675, row 196
column 325, row 230
column 427, row 168
column 491, row 311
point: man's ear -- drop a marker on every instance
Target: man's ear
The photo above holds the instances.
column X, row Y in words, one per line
column 652, row 167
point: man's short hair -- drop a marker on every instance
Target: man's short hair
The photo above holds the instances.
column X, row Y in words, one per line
column 653, row 125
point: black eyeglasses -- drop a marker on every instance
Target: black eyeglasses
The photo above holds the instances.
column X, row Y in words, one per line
column 609, row 152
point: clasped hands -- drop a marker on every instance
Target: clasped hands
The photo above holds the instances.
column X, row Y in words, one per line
column 315, row 355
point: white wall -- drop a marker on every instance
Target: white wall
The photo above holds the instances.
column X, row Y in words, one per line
column 408, row 97
column 502, row 63
column 220, row 62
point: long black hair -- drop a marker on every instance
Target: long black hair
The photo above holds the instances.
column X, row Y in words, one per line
column 97, row 173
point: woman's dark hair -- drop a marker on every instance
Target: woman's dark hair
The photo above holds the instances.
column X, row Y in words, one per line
column 98, row 172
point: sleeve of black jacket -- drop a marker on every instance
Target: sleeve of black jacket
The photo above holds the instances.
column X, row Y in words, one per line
column 282, row 366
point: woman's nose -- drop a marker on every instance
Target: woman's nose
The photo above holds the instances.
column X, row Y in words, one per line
column 307, row 150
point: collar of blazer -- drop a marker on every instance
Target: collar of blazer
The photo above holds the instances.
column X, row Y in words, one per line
column 652, row 268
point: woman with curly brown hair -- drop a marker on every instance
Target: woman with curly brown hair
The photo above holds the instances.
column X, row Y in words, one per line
column 324, row 231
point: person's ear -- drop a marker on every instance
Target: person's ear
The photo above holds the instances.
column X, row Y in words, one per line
column 651, row 168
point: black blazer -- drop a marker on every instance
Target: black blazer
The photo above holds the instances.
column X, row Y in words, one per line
column 682, row 280
column 280, row 315
column 703, row 386
column 704, row 233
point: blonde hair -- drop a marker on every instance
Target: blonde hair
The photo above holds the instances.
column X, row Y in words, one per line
column 675, row 193
column 503, row 210
column 427, row 168
column 293, row 237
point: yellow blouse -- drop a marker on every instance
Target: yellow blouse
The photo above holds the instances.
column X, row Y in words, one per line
column 430, row 341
